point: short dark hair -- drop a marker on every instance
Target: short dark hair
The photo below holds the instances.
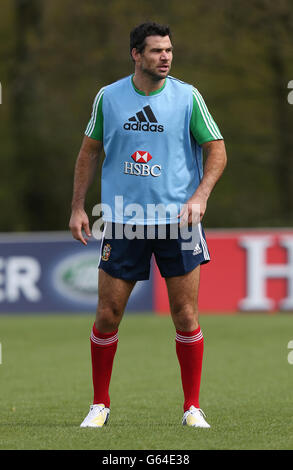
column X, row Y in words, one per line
column 140, row 32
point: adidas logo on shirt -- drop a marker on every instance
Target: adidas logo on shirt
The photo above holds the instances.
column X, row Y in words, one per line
column 144, row 120
column 197, row 250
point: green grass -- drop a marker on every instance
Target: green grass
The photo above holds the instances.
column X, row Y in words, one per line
column 246, row 392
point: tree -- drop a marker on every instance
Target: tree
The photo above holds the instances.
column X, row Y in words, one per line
column 56, row 55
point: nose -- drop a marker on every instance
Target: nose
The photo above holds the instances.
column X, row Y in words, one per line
column 164, row 55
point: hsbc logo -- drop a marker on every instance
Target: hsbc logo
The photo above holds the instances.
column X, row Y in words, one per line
column 140, row 166
column 144, row 120
column 141, row 157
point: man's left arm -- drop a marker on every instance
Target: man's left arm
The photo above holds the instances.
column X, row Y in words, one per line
column 207, row 134
column 216, row 160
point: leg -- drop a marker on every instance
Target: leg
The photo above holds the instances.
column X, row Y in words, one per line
column 113, row 296
column 121, row 258
column 183, row 295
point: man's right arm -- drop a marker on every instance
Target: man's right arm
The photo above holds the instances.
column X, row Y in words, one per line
column 85, row 169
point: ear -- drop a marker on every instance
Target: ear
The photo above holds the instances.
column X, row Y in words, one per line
column 135, row 54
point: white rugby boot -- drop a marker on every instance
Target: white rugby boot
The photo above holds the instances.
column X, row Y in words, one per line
column 195, row 418
column 97, row 417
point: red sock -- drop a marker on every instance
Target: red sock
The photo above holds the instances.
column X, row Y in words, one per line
column 103, row 349
column 189, row 349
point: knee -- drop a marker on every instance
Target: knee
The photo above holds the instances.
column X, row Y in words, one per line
column 185, row 317
column 108, row 318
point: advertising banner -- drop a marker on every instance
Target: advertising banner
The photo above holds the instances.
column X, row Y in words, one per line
column 54, row 273
column 250, row 270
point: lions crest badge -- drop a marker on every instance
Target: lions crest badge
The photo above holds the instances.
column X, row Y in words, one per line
column 106, row 252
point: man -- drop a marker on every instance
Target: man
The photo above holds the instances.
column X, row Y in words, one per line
column 153, row 128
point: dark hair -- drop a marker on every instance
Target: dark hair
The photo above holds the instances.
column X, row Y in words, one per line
column 140, row 32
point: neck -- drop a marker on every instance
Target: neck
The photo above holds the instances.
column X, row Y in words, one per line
column 146, row 83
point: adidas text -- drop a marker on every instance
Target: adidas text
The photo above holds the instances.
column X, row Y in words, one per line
column 138, row 126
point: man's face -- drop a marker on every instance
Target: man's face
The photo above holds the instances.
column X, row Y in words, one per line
column 156, row 58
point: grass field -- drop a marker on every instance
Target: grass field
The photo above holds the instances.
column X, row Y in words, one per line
column 46, row 389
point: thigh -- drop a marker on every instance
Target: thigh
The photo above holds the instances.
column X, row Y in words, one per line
column 183, row 299
column 125, row 256
column 113, row 295
column 183, row 250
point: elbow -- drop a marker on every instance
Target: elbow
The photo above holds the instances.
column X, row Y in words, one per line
column 225, row 161
column 224, row 154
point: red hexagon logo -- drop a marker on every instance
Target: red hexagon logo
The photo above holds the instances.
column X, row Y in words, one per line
column 141, row 156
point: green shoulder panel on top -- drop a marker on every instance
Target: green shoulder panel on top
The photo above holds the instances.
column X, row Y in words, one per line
column 95, row 126
column 202, row 125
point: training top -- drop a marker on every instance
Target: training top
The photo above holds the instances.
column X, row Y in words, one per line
column 153, row 155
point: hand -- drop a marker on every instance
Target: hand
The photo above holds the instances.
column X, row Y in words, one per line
column 193, row 210
column 79, row 221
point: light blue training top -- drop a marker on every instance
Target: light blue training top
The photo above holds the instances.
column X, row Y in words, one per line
column 153, row 155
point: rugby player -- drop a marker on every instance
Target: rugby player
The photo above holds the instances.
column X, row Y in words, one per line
column 154, row 130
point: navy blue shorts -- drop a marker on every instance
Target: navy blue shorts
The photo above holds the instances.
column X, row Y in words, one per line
column 126, row 250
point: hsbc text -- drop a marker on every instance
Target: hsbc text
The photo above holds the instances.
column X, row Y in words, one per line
column 141, row 169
